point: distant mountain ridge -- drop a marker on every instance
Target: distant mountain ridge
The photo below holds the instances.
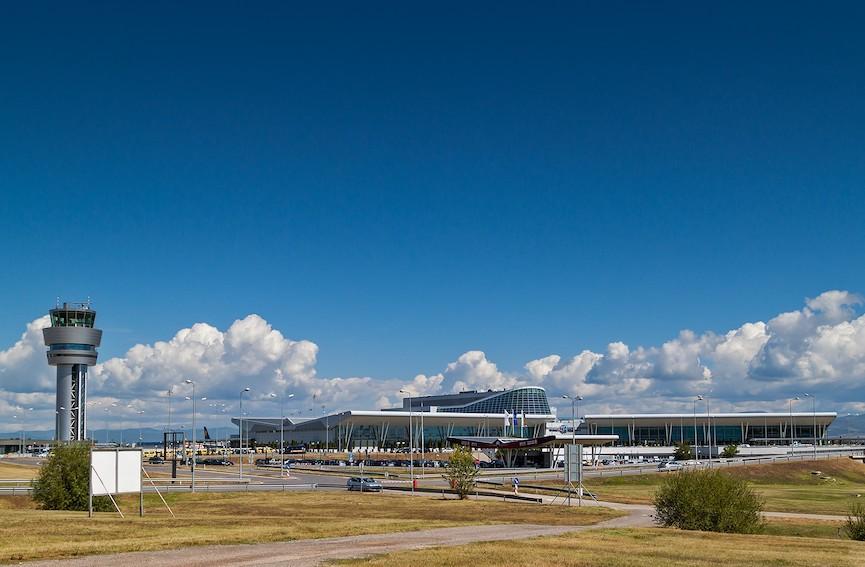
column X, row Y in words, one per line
column 148, row 435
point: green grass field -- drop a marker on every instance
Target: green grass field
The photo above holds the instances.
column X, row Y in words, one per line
column 27, row 533
column 786, row 487
column 636, row 548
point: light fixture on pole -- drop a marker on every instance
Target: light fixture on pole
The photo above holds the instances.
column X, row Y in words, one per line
column 709, row 443
column 792, row 429
column 410, row 440
column 696, row 443
column 282, row 431
column 194, row 451
column 140, row 413
column 814, row 417
column 240, row 436
column 169, row 438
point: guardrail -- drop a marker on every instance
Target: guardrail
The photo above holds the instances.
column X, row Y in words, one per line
column 15, row 487
column 443, row 491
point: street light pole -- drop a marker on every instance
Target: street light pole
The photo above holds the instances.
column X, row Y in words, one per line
column 140, row 413
column 282, row 431
column 814, row 417
column 791, row 423
column 193, row 434
column 240, row 436
column 709, row 431
column 696, row 443
column 170, row 437
column 410, row 440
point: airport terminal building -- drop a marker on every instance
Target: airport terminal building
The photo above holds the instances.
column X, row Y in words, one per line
column 525, row 413
column 715, row 428
column 429, row 420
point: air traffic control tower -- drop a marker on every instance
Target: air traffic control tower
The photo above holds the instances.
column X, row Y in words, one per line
column 72, row 341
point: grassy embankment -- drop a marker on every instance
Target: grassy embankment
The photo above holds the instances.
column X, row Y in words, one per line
column 636, row 548
column 786, row 487
column 202, row 519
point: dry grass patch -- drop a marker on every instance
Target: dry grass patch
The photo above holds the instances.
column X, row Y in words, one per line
column 804, row 528
column 16, row 471
column 636, row 548
column 202, row 519
column 786, row 487
column 799, row 472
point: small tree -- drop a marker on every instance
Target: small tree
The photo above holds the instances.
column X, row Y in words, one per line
column 708, row 500
column 683, row 451
column 854, row 527
column 63, row 482
column 730, row 451
column 462, row 472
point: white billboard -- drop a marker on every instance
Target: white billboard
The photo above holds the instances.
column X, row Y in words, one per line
column 115, row 471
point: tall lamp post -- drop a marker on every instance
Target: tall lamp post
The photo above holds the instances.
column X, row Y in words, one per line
column 170, row 437
column 57, row 419
column 193, row 433
column 240, row 437
column 814, row 417
column 140, row 413
column 709, row 432
column 696, row 440
column 282, row 430
column 792, row 429
column 574, row 401
column 410, row 440
column 15, row 417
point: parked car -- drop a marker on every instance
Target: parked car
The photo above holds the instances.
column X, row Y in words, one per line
column 363, row 484
column 156, row 460
column 216, row 461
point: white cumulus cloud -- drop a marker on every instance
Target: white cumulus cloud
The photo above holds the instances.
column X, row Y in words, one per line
column 819, row 348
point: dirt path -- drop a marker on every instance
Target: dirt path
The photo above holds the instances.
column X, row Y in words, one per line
column 307, row 553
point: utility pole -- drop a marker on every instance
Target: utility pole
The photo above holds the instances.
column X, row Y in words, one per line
column 410, row 440
column 240, row 436
column 194, row 452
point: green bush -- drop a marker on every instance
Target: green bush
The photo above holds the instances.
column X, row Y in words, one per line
column 730, row 451
column 462, row 472
column 63, row 482
column 708, row 500
column 854, row 527
column 683, row 451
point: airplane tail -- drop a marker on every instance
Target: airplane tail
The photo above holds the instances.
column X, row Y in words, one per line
column 206, row 434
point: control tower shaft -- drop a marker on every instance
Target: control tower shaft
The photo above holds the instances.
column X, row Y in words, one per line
column 72, row 340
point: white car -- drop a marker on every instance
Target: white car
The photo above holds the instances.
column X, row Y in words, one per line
column 670, row 466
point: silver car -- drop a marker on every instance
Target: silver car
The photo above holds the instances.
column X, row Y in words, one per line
column 363, row 484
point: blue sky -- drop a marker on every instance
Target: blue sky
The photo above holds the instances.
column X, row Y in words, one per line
column 402, row 184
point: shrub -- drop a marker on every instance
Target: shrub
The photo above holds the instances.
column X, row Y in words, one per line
column 462, row 472
column 63, row 482
column 683, row 451
column 708, row 500
column 730, row 451
column 854, row 527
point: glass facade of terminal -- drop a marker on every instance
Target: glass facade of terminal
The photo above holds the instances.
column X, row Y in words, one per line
column 529, row 400
column 631, row 433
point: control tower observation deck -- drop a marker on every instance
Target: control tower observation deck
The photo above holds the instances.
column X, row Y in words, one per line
column 72, row 340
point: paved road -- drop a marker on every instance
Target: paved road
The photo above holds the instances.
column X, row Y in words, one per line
column 308, row 553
